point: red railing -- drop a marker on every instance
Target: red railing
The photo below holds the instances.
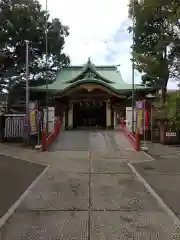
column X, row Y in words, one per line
column 134, row 138
column 47, row 141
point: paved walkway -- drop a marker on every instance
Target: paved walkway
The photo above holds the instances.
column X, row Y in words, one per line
column 15, row 176
column 162, row 152
column 93, row 141
column 89, row 193
column 163, row 174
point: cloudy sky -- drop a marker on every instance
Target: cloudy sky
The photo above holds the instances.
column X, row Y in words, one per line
column 98, row 29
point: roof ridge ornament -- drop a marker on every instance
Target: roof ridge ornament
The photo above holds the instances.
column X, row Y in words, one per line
column 89, row 60
column 90, row 65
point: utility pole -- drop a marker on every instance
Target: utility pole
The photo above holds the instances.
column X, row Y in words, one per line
column 133, row 67
column 26, row 127
column 46, row 43
column 27, row 74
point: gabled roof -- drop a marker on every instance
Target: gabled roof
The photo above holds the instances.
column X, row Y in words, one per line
column 108, row 75
column 94, row 81
column 88, row 71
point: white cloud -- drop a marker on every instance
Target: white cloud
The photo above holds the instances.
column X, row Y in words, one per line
column 98, row 29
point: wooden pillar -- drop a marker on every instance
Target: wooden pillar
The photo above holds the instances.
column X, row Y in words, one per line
column 64, row 120
column 70, row 116
column 115, row 118
column 108, row 114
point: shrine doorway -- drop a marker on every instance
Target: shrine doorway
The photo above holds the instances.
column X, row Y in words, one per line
column 89, row 114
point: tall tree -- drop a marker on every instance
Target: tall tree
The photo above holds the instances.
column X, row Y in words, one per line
column 22, row 20
column 155, row 39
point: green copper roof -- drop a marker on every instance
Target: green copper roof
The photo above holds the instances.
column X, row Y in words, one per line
column 91, row 80
column 108, row 75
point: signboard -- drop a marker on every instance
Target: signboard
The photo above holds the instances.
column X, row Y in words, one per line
column 170, row 134
column 32, row 116
column 140, row 116
column 51, row 118
column 139, row 119
column 32, row 121
column 129, row 112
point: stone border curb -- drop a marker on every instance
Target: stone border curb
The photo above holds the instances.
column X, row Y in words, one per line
column 149, row 156
column 12, row 209
column 160, row 201
column 26, row 160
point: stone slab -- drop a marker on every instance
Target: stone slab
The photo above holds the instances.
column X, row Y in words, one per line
column 132, row 225
column 57, row 158
column 90, row 140
column 72, row 140
column 99, row 142
column 58, row 191
column 46, row 225
column 73, row 165
column 15, row 177
column 158, row 167
column 163, row 152
column 120, row 192
column 109, row 166
column 162, row 157
column 167, row 187
column 17, row 152
column 123, row 156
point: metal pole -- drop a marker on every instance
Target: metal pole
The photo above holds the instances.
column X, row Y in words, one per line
column 27, row 74
column 46, row 43
column 144, row 122
column 133, row 68
column 151, row 122
column 26, row 130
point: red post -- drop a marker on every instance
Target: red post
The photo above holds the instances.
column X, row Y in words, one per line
column 56, row 128
column 123, row 124
column 137, row 142
column 59, row 125
column 43, row 140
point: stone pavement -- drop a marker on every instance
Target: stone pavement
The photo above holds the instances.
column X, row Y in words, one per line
column 89, row 194
column 93, row 141
column 15, row 176
column 161, row 152
column 163, row 174
column 14, row 150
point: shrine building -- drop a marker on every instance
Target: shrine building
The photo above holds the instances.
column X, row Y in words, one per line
column 86, row 95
